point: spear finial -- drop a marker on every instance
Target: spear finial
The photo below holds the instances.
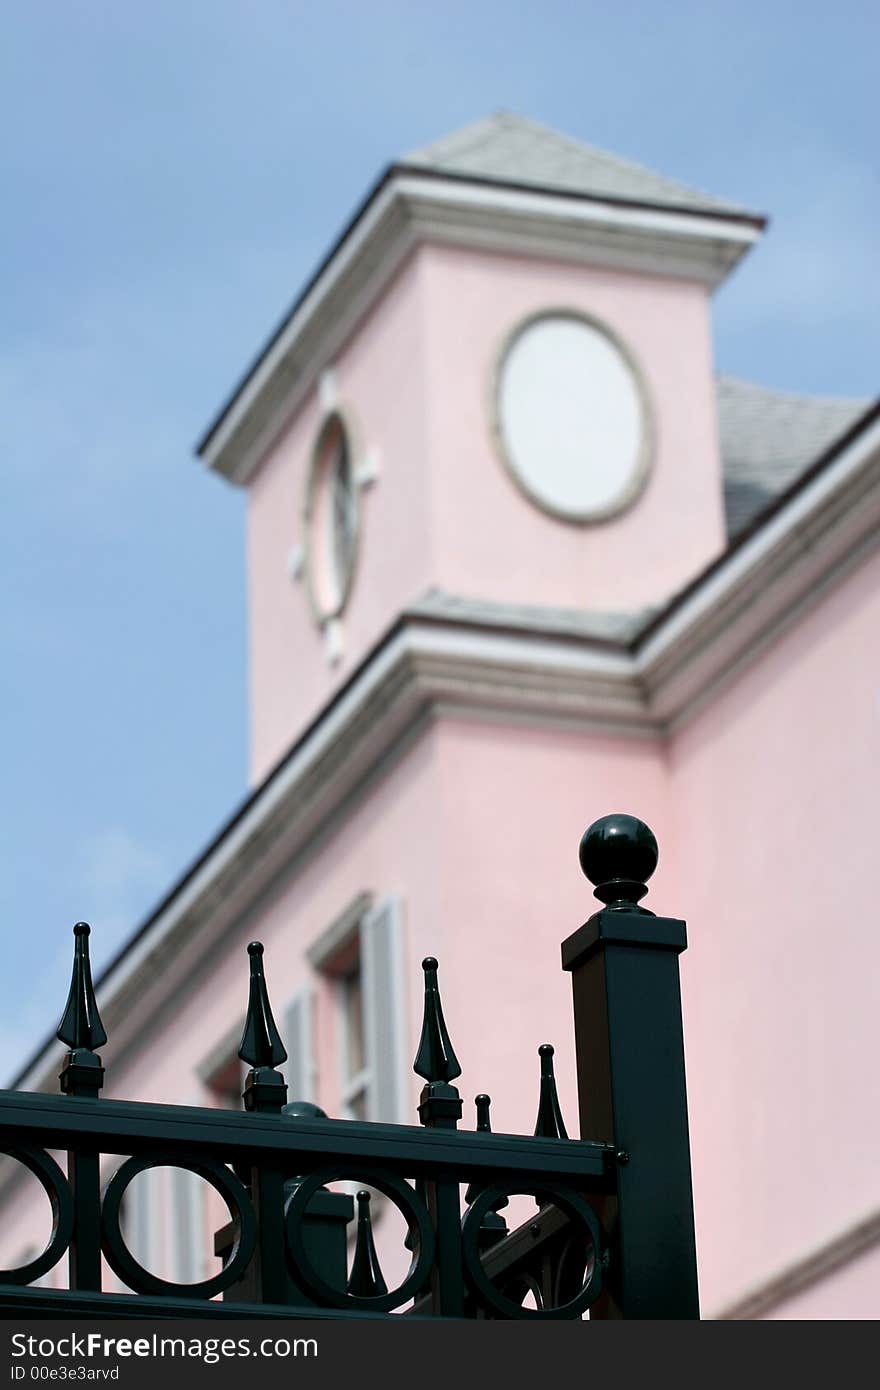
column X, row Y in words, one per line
column 366, row 1278
column 435, row 1059
column 550, row 1124
column 439, row 1103
column 261, row 1044
column 81, row 1027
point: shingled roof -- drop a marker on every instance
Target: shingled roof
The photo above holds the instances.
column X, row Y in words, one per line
column 506, row 148
column 769, row 438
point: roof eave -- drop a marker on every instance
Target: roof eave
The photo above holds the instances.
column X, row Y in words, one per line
column 402, row 209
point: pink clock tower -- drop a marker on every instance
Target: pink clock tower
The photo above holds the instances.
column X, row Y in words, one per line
column 511, row 349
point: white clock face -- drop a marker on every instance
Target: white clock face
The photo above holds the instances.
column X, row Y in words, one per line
column 572, row 417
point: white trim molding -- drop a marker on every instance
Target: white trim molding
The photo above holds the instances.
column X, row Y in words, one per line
column 409, row 209
column 784, row 568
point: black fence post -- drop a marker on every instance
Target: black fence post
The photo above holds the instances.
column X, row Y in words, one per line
column 265, row 1093
column 631, row 1077
column 83, row 1075
column 440, row 1108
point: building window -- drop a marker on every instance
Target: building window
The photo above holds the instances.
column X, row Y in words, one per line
column 360, row 955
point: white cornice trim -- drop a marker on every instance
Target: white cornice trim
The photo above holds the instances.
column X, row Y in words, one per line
column 765, row 584
column 284, row 373
column 430, row 667
column 409, row 209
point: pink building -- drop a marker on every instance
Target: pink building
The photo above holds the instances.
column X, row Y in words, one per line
column 518, row 557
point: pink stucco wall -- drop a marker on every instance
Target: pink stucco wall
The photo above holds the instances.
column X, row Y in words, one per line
column 774, row 792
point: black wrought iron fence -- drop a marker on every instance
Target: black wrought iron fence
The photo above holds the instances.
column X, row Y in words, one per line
column 614, row 1228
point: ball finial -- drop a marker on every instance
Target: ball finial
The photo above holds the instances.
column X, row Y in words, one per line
column 618, row 854
column 303, row 1110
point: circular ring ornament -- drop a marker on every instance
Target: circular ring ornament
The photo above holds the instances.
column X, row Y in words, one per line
column 571, row 416
column 408, row 1204
column 57, row 1189
column 578, row 1211
column 331, row 518
column 238, row 1202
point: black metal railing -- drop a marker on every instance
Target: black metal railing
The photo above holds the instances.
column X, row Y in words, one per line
column 614, row 1229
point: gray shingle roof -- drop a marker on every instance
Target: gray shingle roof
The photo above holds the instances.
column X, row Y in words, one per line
column 768, row 438
column 511, row 149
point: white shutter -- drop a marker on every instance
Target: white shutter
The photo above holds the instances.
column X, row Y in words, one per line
column 300, row 1065
column 385, row 1012
column 187, row 1226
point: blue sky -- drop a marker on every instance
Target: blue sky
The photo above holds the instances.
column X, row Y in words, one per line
column 171, row 174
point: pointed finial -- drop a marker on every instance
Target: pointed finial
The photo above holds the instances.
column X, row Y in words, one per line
column 81, row 1027
column 483, row 1102
column 366, row 1279
column 492, row 1227
column 435, row 1059
column 261, row 1045
column 618, row 854
column 550, row 1124
column 484, row 1126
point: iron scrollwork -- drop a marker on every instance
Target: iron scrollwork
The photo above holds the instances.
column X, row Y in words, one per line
column 57, row 1189
column 580, row 1215
column 230, row 1188
column 408, row 1203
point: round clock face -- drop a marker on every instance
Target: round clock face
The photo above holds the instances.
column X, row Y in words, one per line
column 572, row 417
column 331, row 520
